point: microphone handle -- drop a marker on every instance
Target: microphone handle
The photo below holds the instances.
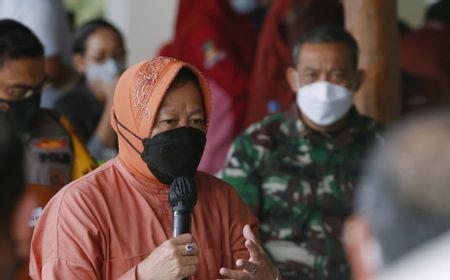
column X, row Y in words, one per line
column 181, row 224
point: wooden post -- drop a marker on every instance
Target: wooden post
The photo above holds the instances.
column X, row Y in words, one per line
column 374, row 25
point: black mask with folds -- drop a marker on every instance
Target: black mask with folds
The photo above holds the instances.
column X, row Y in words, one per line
column 24, row 112
column 174, row 153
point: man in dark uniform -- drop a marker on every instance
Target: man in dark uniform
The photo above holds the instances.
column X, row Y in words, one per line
column 50, row 145
column 53, row 154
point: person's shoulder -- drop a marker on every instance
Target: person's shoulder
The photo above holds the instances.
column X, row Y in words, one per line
column 46, row 115
column 78, row 92
column 365, row 130
column 362, row 122
column 51, row 117
column 91, row 184
column 267, row 123
column 70, row 104
column 262, row 133
column 84, row 194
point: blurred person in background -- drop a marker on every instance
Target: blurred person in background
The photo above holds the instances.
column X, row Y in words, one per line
column 99, row 58
column 11, row 188
column 298, row 169
column 54, row 155
column 219, row 37
column 425, row 60
column 401, row 226
column 48, row 21
column 285, row 23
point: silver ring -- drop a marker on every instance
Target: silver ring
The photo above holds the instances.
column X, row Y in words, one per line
column 189, row 248
column 253, row 271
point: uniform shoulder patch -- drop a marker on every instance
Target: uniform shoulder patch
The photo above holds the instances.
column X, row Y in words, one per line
column 51, row 144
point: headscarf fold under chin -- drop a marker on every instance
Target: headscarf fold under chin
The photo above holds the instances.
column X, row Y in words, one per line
column 138, row 95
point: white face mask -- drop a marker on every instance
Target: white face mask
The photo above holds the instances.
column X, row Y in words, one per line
column 324, row 103
column 108, row 71
column 243, row 6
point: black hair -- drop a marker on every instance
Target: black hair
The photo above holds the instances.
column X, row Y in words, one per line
column 439, row 11
column 328, row 34
column 82, row 34
column 18, row 41
column 184, row 75
column 12, row 169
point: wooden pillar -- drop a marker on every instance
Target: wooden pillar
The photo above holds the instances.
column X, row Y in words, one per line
column 374, row 25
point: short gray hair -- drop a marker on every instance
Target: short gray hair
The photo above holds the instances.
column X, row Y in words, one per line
column 328, row 34
column 405, row 189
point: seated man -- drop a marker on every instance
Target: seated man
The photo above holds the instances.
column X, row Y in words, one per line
column 401, row 226
column 298, row 169
column 54, row 156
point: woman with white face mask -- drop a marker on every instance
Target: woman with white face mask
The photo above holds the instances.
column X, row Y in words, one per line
column 99, row 58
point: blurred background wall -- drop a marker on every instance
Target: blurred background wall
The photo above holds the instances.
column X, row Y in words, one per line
column 411, row 11
column 147, row 24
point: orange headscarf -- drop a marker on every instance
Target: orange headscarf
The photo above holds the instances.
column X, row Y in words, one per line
column 138, row 95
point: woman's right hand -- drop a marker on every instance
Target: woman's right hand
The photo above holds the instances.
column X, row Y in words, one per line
column 170, row 260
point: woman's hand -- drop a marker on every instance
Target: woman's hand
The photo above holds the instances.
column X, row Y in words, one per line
column 259, row 266
column 170, row 260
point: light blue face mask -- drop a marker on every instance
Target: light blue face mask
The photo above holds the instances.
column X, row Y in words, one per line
column 243, row 6
column 107, row 71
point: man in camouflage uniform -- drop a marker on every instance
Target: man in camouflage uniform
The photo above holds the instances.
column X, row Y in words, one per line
column 298, row 169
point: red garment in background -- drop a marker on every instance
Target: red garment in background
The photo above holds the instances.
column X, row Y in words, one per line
column 222, row 44
column 425, row 59
column 212, row 21
column 269, row 90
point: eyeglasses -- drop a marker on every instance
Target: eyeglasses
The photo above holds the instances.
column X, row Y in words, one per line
column 20, row 92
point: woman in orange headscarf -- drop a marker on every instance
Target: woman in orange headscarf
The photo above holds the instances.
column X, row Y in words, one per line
column 116, row 221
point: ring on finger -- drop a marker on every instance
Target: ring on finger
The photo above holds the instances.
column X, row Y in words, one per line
column 189, row 248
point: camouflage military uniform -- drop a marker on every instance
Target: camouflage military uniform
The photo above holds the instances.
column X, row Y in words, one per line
column 301, row 184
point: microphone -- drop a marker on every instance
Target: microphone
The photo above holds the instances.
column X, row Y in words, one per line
column 182, row 199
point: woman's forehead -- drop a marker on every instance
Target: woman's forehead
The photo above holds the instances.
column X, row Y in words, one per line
column 186, row 96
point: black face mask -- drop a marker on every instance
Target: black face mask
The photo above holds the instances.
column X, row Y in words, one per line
column 174, row 153
column 24, row 112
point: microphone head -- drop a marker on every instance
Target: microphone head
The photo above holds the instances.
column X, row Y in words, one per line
column 182, row 194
